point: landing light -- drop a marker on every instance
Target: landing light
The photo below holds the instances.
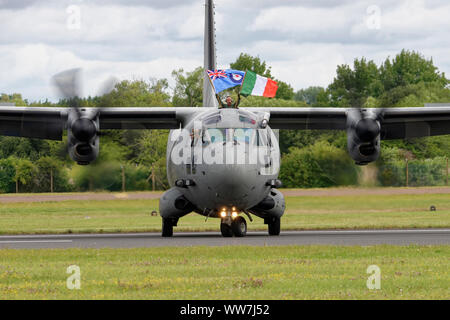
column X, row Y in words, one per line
column 223, row 214
column 234, row 215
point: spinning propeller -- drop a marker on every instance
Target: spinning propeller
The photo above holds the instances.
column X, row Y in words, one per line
column 82, row 124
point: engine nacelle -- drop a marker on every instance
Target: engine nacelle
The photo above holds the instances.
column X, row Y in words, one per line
column 173, row 204
column 363, row 136
column 84, row 153
column 83, row 137
column 272, row 206
column 363, row 152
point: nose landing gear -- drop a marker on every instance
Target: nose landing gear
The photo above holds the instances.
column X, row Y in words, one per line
column 236, row 227
column 167, row 227
column 226, row 230
column 274, row 226
column 239, row 227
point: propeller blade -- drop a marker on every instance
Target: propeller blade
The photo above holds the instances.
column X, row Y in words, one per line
column 108, row 86
column 68, row 83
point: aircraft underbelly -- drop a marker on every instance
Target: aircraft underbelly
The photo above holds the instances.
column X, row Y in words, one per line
column 216, row 186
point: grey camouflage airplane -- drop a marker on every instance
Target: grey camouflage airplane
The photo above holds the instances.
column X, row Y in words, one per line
column 247, row 183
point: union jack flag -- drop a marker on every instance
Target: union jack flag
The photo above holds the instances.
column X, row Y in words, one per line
column 217, row 74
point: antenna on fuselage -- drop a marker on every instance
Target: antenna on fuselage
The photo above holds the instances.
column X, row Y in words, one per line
column 209, row 98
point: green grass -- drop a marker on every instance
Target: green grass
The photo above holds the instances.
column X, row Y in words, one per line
column 334, row 212
column 312, row 272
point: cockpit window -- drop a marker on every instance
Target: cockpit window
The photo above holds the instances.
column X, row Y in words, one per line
column 214, row 119
column 246, row 118
column 216, row 135
column 243, row 135
column 223, row 135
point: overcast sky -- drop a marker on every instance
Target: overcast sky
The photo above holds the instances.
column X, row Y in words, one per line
column 303, row 41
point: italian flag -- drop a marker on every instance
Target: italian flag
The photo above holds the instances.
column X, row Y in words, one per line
column 255, row 85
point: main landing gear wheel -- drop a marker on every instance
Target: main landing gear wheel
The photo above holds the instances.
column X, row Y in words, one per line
column 167, row 228
column 274, row 227
column 239, row 227
column 226, row 230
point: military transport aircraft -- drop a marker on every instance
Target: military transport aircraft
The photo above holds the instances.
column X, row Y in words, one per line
column 201, row 138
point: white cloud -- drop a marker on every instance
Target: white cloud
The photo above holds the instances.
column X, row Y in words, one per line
column 302, row 41
column 100, row 24
column 32, row 66
column 295, row 20
column 316, row 39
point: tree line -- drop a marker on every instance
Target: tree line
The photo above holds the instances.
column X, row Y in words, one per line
column 136, row 159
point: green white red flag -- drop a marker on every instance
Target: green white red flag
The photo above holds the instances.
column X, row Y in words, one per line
column 256, row 85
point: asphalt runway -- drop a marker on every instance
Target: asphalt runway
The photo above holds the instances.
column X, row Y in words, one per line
column 214, row 239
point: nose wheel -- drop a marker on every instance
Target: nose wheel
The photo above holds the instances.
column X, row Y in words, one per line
column 167, row 227
column 226, row 230
column 237, row 228
column 274, row 226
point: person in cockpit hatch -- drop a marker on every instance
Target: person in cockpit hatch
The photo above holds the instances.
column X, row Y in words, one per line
column 229, row 102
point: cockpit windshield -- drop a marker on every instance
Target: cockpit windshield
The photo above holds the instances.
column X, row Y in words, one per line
column 240, row 135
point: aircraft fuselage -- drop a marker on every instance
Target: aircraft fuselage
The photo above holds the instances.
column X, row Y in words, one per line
column 223, row 159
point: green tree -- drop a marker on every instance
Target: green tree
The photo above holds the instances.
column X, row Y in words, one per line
column 51, row 175
column 188, row 90
column 15, row 98
column 285, row 91
column 152, row 148
column 304, row 138
column 247, row 62
column 318, row 166
column 415, row 95
column 309, row 95
column 137, row 93
column 352, row 87
column 409, row 67
column 274, row 103
column 25, row 172
column 23, row 148
column 7, row 175
column 390, row 83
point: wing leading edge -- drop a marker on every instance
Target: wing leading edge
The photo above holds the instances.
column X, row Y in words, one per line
column 49, row 123
column 396, row 123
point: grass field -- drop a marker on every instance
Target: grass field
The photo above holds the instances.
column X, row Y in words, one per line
column 316, row 272
column 306, row 212
column 309, row 272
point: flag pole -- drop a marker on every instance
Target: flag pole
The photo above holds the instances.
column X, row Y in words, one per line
column 214, row 88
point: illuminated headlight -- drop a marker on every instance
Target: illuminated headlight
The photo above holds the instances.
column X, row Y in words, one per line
column 234, row 215
column 223, row 214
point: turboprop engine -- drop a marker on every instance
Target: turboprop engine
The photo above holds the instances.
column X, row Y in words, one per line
column 83, row 136
column 363, row 135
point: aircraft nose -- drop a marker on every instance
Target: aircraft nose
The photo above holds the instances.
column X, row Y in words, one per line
column 232, row 183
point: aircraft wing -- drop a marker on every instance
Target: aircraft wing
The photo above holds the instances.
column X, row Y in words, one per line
column 40, row 123
column 49, row 123
column 396, row 123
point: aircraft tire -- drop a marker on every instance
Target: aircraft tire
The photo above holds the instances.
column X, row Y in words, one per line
column 275, row 227
column 226, row 230
column 167, row 228
column 239, row 227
